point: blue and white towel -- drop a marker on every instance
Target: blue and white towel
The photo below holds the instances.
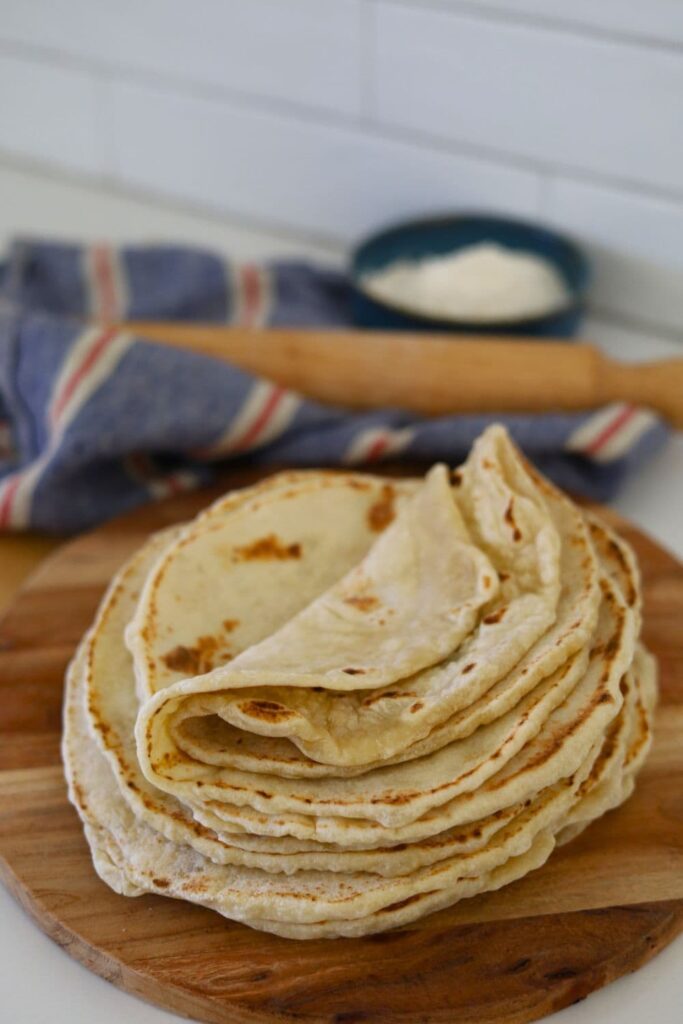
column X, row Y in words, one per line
column 94, row 422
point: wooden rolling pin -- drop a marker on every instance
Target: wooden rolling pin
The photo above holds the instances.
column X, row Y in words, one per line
column 434, row 374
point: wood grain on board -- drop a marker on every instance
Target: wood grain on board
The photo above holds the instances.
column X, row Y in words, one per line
column 600, row 907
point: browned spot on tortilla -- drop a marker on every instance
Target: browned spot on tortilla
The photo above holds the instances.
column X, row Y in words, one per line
column 267, row 710
column 200, row 658
column 560, row 736
column 358, row 485
column 161, row 883
column 265, row 548
column 416, row 707
column 225, row 785
column 395, row 800
column 540, row 481
column 80, row 796
column 487, row 464
column 490, row 620
column 503, row 577
column 198, row 885
column 374, row 697
column 612, row 646
column 230, row 624
column 510, row 520
column 468, row 668
column 606, row 752
column 643, row 734
column 456, row 477
column 487, row 581
column 181, row 659
column 403, row 903
column 382, row 512
column 266, row 796
column 354, row 671
column 171, row 758
column 363, row 602
column 617, row 553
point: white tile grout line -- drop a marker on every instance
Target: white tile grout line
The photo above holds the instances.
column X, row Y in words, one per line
column 368, row 53
column 543, row 22
column 109, row 186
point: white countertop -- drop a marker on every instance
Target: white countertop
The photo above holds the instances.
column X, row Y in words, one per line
column 39, row 981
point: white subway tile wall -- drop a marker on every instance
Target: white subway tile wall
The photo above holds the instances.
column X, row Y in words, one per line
column 327, row 118
column 50, row 113
column 636, row 243
column 331, row 181
column 659, row 20
column 295, row 50
column 540, row 94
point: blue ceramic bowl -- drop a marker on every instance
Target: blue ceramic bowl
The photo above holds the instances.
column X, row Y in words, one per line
column 440, row 235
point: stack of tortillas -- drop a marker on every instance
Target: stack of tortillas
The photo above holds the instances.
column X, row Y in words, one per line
column 334, row 703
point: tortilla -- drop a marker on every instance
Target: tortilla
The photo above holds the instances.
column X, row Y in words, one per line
column 333, row 703
column 134, row 858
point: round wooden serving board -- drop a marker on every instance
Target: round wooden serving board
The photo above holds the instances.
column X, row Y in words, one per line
column 601, row 906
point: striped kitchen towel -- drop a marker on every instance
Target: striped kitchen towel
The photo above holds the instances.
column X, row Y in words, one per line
column 94, row 422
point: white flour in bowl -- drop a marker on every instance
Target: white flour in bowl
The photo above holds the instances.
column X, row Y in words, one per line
column 484, row 282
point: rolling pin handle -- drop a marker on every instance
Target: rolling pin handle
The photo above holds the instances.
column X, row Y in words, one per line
column 657, row 386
